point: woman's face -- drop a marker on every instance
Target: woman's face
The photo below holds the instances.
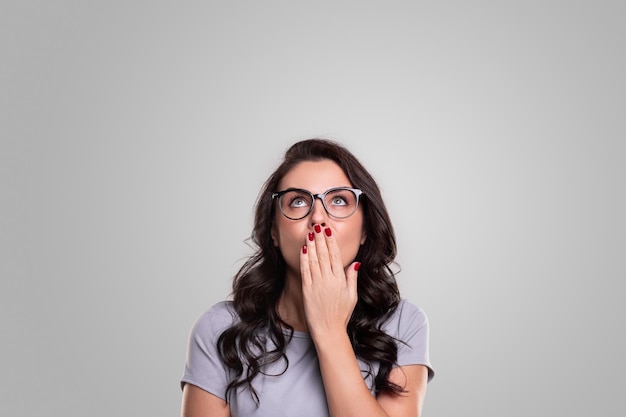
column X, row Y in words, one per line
column 290, row 235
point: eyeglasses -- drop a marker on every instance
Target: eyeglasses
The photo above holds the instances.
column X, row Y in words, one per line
column 296, row 203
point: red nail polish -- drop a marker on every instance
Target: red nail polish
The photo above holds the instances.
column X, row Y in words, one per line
column 318, row 228
column 357, row 266
column 328, row 232
column 304, row 249
column 311, row 236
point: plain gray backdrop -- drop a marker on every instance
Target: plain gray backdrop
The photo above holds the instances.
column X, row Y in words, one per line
column 135, row 135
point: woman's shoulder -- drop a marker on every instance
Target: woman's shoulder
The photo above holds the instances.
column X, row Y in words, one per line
column 409, row 326
column 216, row 319
column 406, row 306
column 407, row 315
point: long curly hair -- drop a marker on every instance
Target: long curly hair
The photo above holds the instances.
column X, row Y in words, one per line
column 258, row 285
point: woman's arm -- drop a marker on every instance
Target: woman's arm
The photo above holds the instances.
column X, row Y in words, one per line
column 330, row 294
column 347, row 393
column 414, row 379
column 200, row 403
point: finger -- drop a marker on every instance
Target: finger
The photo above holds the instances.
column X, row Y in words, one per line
column 321, row 248
column 312, row 257
column 305, row 271
column 334, row 254
column 352, row 274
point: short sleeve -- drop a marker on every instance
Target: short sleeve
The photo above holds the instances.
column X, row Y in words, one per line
column 409, row 325
column 203, row 366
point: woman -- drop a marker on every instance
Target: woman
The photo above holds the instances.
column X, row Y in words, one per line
column 316, row 326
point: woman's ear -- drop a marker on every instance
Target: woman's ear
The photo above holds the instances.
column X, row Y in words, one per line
column 274, row 237
column 363, row 237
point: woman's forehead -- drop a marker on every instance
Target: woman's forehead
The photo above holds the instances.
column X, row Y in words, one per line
column 315, row 176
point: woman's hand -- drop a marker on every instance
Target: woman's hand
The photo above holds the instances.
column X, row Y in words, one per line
column 329, row 291
column 330, row 295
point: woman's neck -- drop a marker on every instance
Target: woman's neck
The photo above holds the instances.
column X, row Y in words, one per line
column 290, row 305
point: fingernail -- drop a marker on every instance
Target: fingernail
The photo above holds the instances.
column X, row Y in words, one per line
column 328, row 232
column 304, row 249
column 357, row 266
column 318, row 228
column 311, row 236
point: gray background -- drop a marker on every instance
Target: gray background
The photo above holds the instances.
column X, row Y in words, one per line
column 136, row 135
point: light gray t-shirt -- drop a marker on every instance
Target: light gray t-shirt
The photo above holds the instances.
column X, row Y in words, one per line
column 296, row 390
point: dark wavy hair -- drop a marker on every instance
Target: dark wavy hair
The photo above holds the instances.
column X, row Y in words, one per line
column 258, row 285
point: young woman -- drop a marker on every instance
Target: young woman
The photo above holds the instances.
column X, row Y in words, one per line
column 316, row 326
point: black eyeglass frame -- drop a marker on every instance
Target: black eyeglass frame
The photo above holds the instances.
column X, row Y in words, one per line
column 357, row 192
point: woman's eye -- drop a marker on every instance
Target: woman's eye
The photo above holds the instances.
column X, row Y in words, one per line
column 338, row 201
column 298, row 202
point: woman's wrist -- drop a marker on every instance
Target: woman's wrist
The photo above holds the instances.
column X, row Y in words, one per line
column 329, row 339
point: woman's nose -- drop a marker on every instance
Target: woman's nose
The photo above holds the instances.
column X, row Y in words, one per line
column 318, row 214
